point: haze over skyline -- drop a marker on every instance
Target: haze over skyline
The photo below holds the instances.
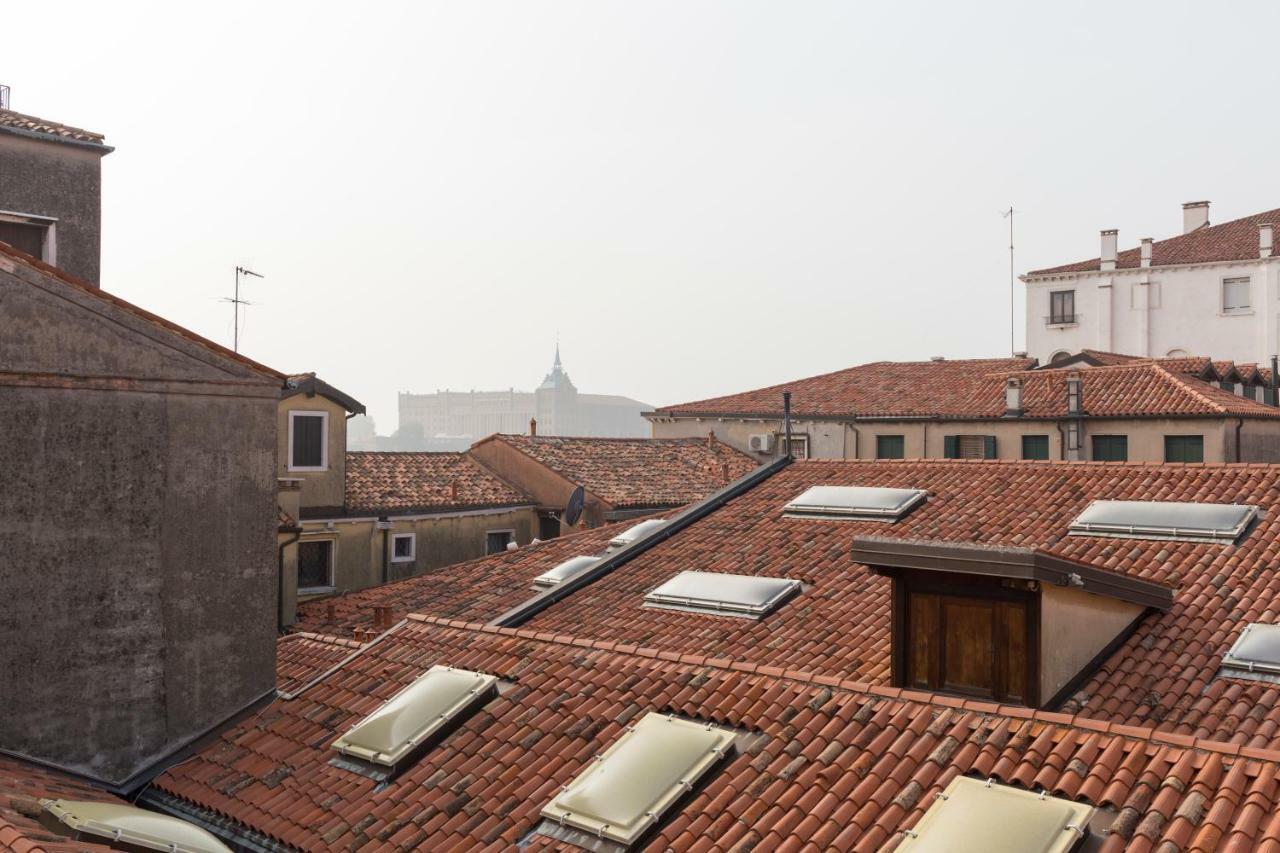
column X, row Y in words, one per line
column 699, row 198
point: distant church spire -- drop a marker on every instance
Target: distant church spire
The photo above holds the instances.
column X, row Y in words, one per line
column 557, row 364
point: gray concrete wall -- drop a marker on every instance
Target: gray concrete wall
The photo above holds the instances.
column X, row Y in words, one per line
column 59, row 181
column 137, row 531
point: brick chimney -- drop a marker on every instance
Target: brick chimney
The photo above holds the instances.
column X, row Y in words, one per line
column 1109, row 239
column 1264, row 239
column 1195, row 214
column 453, row 490
column 533, row 426
column 1146, row 252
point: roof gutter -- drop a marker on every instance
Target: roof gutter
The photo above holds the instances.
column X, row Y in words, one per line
column 525, row 611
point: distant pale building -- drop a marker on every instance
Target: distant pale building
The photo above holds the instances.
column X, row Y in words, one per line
column 557, row 405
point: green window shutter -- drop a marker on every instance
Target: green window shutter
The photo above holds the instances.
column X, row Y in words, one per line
column 1035, row 447
column 890, row 447
column 1112, row 448
column 950, row 447
column 1184, row 448
column 988, row 447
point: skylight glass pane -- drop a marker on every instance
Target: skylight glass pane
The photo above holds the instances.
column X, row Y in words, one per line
column 1197, row 522
column 863, row 502
column 569, row 568
column 1257, row 649
column 971, row 816
column 639, row 776
column 414, row 714
column 639, row 531
column 133, row 826
column 726, row 595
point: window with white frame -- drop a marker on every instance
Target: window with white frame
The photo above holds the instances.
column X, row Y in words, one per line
column 34, row 235
column 403, row 547
column 1235, row 296
column 799, row 445
column 496, row 541
column 308, row 449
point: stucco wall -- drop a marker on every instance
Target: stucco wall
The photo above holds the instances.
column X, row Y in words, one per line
column 442, row 541
column 319, row 488
column 1180, row 309
column 59, row 181
column 1074, row 627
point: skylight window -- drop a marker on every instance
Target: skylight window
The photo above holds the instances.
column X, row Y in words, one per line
column 971, row 816
column 636, row 532
column 1191, row 522
column 413, row 715
column 866, row 503
column 1256, row 653
column 116, row 822
column 628, row 787
column 570, row 568
column 722, row 594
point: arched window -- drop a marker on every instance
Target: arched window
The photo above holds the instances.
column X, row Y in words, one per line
column 1177, row 353
column 1060, row 355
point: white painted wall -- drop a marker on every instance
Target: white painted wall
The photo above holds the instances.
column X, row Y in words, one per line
column 1158, row 310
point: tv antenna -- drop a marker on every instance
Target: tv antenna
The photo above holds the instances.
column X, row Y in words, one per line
column 236, row 302
column 1008, row 214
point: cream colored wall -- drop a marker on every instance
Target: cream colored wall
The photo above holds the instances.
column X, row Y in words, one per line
column 319, row 488
column 1074, row 627
column 441, row 541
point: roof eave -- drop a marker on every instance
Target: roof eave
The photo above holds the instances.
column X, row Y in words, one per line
column 99, row 147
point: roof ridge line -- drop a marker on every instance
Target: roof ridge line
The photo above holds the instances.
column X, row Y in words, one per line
column 1018, row 712
column 1187, row 388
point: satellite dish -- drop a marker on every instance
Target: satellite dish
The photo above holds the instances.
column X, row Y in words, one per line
column 573, row 510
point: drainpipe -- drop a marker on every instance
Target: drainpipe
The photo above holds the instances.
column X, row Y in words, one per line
column 280, row 580
column 1275, row 365
column 386, row 564
column 786, row 417
column 1239, row 424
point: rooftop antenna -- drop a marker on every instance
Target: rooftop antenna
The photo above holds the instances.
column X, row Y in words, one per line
column 1008, row 214
column 236, row 302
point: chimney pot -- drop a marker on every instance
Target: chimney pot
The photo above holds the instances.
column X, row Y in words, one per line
column 1013, row 397
column 453, row 490
column 937, row 358
column 1264, row 239
column 1109, row 240
column 533, row 426
column 711, row 439
column 330, row 612
column 1195, row 214
column 1146, row 252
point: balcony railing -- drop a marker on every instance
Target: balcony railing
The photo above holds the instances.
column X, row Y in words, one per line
column 1063, row 319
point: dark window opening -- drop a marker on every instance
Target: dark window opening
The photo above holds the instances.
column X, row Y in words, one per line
column 1111, row 448
column 548, row 527
column 1062, row 307
column 24, row 237
column 308, row 441
column 496, row 541
column 403, row 547
column 890, row 447
column 969, row 446
column 1035, row 447
column 1184, row 448
column 315, row 564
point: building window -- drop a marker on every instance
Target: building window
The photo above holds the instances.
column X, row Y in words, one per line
column 799, row 446
column 315, row 564
column 1059, row 356
column 1035, row 447
column 890, row 447
column 1062, row 307
column 308, row 450
column 969, row 446
column 1111, row 448
column 1184, row 448
column 31, row 234
column 403, row 547
column 496, row 541
column 1235, row 296
column 548, row 527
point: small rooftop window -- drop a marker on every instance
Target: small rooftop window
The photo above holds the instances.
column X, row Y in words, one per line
column 722, row 594
column 971, row 816
column 133, row 826
column 638, row 531
column 570, row 568
column 414, row 714
column 1191, row 522
column 867, row 503
column 628, row 787
column 1256, row 653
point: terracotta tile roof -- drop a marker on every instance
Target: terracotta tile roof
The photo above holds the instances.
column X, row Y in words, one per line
column 302, row 656
column 638, row 472
column 477, row 590
column 22, row 786
column 404, row 483
column 1163, row 675
column 908, row 388
column 62, row 132
column 840, row 764
column 40, row 266
column 1236, row 240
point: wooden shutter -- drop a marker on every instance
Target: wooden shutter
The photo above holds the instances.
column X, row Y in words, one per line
column 988, row 447
column 308, row 438
column 950, row 447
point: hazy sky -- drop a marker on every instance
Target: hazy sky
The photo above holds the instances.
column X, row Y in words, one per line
column 701, row 197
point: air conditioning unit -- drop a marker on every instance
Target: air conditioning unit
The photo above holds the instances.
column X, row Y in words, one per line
column 761, row 442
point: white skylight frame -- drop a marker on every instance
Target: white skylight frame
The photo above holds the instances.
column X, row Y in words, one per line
column 120, row 822
column 1134, row 520
column 628, row 787
column 567, row 570
column 973, row 816
column 440, row 695
column 858, row 503
column 1244, row 658
column 637, row 532
column 720, row 594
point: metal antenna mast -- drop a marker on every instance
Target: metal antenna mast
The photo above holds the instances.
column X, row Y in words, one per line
column 236, row 302
column 1008, row 214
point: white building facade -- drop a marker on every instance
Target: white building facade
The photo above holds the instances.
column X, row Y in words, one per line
column 1212, row 291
